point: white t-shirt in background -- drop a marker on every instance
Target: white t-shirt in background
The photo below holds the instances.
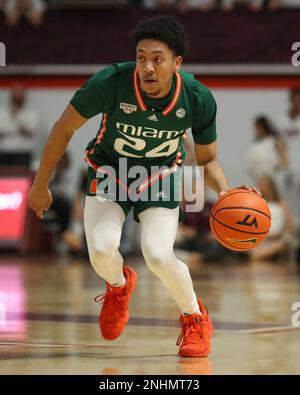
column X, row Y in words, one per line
column 11, row 139
column 290, row 131
column 262, row 158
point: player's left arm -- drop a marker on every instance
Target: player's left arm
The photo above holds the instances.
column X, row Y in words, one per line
column 214, row 175
column 205, row 139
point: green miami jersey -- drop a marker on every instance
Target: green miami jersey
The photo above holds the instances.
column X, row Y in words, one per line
column 147, row 132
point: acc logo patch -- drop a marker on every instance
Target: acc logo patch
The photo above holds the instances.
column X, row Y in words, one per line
column 128, row 108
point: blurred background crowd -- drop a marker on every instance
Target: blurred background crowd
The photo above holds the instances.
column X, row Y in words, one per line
column 272, row 161
column 34, row 10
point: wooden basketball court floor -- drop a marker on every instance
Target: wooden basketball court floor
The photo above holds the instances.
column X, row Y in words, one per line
column 48, row 320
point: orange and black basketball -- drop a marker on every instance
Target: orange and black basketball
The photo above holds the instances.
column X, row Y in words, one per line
column 240, row 220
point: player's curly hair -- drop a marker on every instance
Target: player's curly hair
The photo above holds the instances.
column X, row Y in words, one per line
column 164, row 28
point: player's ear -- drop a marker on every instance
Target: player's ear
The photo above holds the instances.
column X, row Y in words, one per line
column 178, row 63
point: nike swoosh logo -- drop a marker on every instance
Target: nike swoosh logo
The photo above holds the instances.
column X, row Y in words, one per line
column 244, row 241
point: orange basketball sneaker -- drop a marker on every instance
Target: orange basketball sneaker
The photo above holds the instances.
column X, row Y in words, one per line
column 194, row 340
column 114, row 314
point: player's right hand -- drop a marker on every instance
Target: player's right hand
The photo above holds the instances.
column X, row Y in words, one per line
column 39, row 199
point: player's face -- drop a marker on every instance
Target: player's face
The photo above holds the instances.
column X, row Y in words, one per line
column 259, row 131
column 156, row 65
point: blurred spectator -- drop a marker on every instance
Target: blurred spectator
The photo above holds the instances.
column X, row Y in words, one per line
column 282, row 224
column 203, row 5
column 73, row 236
column 33, row 10
column 268, row 153
column 194, row 230
column 182, row 5
column 289, row 128
column 60, row 211
column 18, row 127
column 159, row 4
column 194, row 236
column 254, row 5
column 277, row 4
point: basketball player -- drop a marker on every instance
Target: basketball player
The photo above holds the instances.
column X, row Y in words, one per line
column 289, row 127
column 146, row 105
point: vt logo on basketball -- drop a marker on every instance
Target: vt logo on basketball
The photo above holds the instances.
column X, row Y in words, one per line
column 247, row 221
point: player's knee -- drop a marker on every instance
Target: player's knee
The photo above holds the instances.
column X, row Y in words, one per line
column 105, row 244
column 156, row 257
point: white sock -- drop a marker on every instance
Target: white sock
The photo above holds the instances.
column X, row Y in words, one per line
column 103, row 223
column 157, row 248
column 121, row 283
column 194, row 309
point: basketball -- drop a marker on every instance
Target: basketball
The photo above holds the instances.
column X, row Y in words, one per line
column 240, row 220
